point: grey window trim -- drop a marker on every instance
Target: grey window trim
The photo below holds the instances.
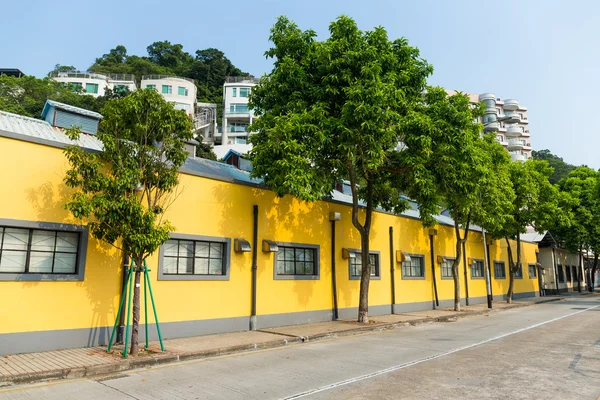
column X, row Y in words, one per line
column 471, row 269
column 192, row 277
column 503, row 268
column 373, row 277
column 448, row 278
column 315, row 277
column 53, row 226
column 415, row 278
column 534, row 268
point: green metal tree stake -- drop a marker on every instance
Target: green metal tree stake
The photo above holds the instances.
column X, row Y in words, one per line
column 145, row 304
column 130, row 300
column 162, row 347
column 112, row 335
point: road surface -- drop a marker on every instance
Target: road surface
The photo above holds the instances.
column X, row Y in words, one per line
column 549, row 351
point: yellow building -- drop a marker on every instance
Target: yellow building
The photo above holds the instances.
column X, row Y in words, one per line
column 60, row 287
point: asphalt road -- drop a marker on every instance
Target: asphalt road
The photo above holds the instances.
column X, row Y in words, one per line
column 549, row 351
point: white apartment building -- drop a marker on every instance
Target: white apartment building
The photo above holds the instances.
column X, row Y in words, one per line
column 236, row 114
column 94, row 84
column 508, row 119
column 180, row 91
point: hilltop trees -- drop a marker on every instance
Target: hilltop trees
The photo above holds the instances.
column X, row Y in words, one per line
column 207, row 67
column 330, row 111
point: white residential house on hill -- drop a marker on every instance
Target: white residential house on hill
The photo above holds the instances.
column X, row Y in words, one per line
column 236, row 114
column 93, row 83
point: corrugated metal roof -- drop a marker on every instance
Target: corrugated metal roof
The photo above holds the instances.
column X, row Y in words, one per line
column 73, row 109
column 39, row 131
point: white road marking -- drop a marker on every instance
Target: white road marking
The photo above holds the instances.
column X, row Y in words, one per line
column 422, row 360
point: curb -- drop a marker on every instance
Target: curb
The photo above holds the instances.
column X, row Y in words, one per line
column 129, row 364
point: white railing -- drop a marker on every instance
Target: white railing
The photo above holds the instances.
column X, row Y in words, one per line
column 77, row 74
column 156, row 77
column 238, row 79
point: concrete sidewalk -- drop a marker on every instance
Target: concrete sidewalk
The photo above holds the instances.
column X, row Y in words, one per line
column 93, row 361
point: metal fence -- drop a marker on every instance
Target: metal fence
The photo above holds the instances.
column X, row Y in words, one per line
column 154, row 77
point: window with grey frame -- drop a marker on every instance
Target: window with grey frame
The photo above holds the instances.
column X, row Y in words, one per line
column 356, row 265
column 568, row 271
column 499, row 270
column 532, row 271
column 446, row 268
column 38, row 251
column 519, row 272
column 561, row 274
column 193, row 257
column 575, row 277
column 477, row 269
column 415, row 268
column 296, row 261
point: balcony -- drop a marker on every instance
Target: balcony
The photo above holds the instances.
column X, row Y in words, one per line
column 524, row 120
column 525, row 133
column 518, row 157
column 240, row 79
column 527, row 146
column 514, row 131
column 487, row 96
column 511, row 104
column 515, row 144
column 159, row 77
column 122, row 77
column 491, row 127
column 77, row 74
column 510, row 118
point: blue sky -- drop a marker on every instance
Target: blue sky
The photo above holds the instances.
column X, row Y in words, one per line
column 543, row 53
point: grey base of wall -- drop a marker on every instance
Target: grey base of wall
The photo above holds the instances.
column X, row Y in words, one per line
column 28, row 342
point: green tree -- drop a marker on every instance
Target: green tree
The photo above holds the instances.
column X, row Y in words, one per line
column 537, row 203
column 27, row 95
column 330, row 110
column 453, row 167
column 205, row 150
column 561, row 168
column 123, row 191
column 63, row 68
column 582, row 187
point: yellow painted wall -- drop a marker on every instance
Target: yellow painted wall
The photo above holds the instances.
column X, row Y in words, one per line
column 214, row 208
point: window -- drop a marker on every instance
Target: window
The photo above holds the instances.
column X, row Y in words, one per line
column 500, row 138
column 575, row 277
column 41, row 254
column 519, row 272
column 151, row 87
column 296, row 261
column 446, row 268
column 244, row 92
column 561, row 274
column 568, row 271
column 532, row 271
column 239, row 109
column 91, row 87
column 234, row 92
column 356, row 265
column 76, row 86
column 182, row 91
column 167, row 89
column 240, row 140
column 499, row 270
column 477, row 269
column 235, row 127
column 187, row 257
column 415, row 268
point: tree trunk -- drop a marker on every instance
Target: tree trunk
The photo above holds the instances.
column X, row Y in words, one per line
column 365, row 279
column 512, row 267
column 135, row 327
column 455, row 274
column 593, row 277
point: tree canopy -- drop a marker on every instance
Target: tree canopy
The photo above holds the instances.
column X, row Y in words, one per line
column 121, row 192
column 329, row 111
column 561, row 168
